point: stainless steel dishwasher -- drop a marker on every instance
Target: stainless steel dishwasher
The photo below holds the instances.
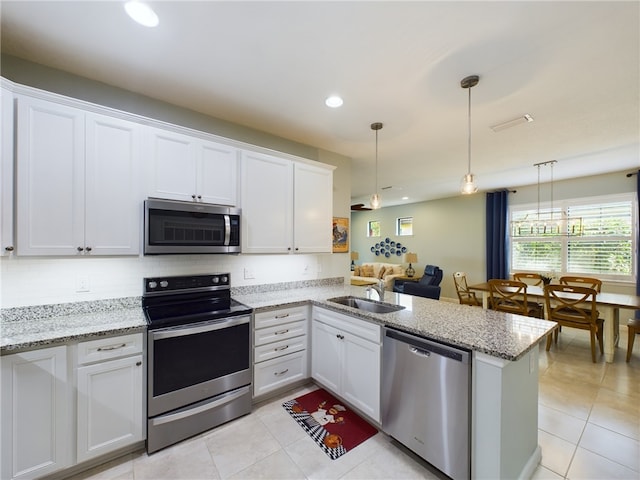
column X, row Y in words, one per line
column 426, row 400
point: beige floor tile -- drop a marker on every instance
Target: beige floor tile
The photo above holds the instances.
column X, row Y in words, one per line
column 587, row 465
column 391, row 463
column 315, row 464
column 186, row 460
column 239, row 444
column 281, row 425
column 611, row 445
column 543, row 473
column 556, row 452
column 277, row 466
column 560, row 424
column 573, row 398
column 623, row 377
column 617, row 412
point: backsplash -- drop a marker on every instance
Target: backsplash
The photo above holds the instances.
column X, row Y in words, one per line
column 26, row 281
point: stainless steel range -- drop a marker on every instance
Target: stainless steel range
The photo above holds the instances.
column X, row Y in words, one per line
column 199, row 356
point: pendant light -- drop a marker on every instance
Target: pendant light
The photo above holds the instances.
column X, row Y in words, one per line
column 375, row 198
column 468, row 181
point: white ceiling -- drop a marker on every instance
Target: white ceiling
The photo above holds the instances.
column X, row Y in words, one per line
column 574, row 66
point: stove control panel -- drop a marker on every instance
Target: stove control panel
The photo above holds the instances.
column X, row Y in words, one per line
column 188, row 283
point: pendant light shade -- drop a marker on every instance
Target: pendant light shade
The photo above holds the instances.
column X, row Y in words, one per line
column 468, row 181
column 375, row 198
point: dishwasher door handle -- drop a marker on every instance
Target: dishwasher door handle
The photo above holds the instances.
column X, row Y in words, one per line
column 419, row 352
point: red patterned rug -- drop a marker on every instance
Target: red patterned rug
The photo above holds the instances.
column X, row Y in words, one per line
column 334, row 427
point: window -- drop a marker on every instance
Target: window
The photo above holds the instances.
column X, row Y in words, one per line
column 594, row 236
column 404, row 226
column 373, row 228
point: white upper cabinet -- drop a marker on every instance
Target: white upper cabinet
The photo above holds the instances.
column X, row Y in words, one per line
column 286, row 206
column 77, row 181
column 187, row 168
column 7, row 245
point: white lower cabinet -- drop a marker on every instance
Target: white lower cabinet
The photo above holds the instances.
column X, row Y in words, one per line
column 280, row 348
column 345, row 358
column 36, row 413
column 110, row 395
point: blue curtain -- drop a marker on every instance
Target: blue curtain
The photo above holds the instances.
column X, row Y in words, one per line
column 497, row 235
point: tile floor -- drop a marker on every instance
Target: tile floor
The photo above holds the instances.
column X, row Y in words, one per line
column 589, row 428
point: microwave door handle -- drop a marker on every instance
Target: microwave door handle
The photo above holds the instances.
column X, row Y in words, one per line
column 227, row 230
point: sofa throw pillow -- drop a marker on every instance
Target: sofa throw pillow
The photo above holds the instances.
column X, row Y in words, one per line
column 366, row 271
column 356, row 271
column 398, row 270
column 381, row 272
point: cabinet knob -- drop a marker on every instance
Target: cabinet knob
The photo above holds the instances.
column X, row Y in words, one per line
column 297, row 249
column 341, row 337
column 289, row 249
column 193, row 196
column 199, row 197
column 138, row 364
column 88, row 249
column 80, row 249
column 9, row 248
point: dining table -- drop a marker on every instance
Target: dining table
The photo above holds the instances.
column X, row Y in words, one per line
column 608, row 304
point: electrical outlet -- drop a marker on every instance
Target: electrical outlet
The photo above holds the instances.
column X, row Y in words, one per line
column 249, row 274
column 306, row 269
column 82, row 284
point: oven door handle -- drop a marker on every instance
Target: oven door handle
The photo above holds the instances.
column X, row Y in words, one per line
column 208, row 327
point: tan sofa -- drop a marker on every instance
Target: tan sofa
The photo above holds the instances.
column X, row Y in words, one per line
column 371, row 272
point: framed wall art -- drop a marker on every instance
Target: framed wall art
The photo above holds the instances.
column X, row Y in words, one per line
column 340, row 235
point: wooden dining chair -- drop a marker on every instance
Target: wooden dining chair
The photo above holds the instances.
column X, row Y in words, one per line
column 511, row 296
column 575, row 307
column 533, row 279
column 633, row 326
column 590, row 282
column 466, row 296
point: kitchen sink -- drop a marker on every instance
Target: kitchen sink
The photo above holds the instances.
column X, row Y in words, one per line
column 366, row 304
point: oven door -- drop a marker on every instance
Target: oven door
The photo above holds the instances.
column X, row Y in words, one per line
column 193, row 362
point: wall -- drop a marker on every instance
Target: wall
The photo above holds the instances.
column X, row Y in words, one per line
column 450, row 232
column 44, row 280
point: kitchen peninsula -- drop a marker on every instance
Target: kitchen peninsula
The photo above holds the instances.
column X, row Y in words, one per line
column 504, row 391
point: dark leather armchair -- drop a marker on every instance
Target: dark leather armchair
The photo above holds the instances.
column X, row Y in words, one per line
column 428, row 286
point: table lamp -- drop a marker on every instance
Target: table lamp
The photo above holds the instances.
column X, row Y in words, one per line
column 354, row 257
column 410, row 258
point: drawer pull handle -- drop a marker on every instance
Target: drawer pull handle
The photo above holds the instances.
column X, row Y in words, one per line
column 282, row 332
column 341, row 337
column 285, row 315
column 278, row 349
column 277, row 374
column 115, row 347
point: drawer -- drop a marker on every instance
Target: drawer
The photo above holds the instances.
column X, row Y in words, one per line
column 362, row 328
column 279, row 372
column 108, row 348
column 280, row 332
column 277, row 349
column 280, row 316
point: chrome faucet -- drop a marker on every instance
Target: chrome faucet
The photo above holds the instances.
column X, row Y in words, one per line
column 378, row 288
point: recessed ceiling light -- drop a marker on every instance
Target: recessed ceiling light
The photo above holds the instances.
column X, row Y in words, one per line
column 142, row 13
column 405, row 198
column 334, row 101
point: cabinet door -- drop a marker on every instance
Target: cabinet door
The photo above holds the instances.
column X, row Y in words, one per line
column 110, row 406
column 172, row 165
column 361, row 375
column 7, row 245
column 313, row 208
column 36, row 428
column 267, row 203
column 217, row 178
column 326, row 356
column 114, row 197
column 50, row 173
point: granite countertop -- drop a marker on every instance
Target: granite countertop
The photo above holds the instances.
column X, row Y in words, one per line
column 26, row 328
column 496, row 334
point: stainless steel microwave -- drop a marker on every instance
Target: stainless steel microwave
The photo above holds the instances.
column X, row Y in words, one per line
column 173, row 227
